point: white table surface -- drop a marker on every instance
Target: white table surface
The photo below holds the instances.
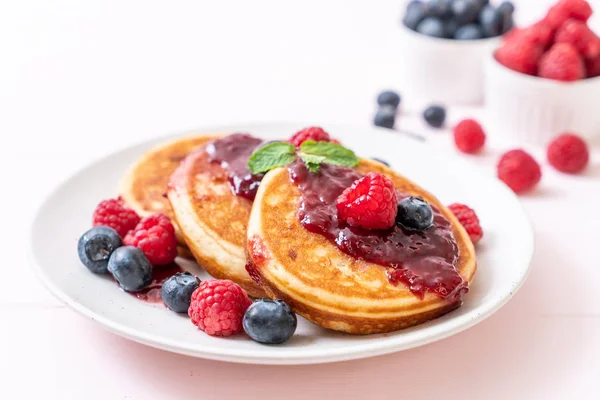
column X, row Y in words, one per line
column 79, row 79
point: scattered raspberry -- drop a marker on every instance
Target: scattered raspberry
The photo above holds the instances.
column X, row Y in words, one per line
column 520, row 54
column 115, row 214
column 568, row 153
column 581, row 37
column 371, row 203
column 566, row 9
column 467, row 218
column 593, row 67
column 218, row 307
column 469, row 136
column 519, row 170
column 155, row 236
column 312, row 133
column 563, row 63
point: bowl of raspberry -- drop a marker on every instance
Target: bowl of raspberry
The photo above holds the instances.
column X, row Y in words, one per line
column 545, row 78
column 445, row 43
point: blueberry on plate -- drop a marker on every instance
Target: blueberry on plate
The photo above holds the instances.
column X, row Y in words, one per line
column 468, row 32
column 414, row 213
column 270, row 321
column 490, row 19
column 385, row 117
column 388, row 98
column 435, row 116
column 431, row 26
column 415, row 12
column 465, row 11
column 95, row 247
column 177, row 291
column 130, row 268
column 387, row 164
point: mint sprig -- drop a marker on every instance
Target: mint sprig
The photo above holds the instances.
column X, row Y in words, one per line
column 312, row 153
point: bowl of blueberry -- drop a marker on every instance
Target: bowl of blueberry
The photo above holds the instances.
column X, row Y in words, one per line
column 446, row 43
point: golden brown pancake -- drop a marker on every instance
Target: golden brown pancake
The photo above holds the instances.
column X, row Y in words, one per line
column 324, row 284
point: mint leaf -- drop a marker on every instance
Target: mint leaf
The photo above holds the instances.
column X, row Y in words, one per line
column 326, row 152
column 312, row 161
column 272, row 155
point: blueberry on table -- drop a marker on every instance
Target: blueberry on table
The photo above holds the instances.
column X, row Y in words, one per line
column 388, row 98
column 435, row 116
column 414, row 213
column 130, row 268
column 95, row 247
column 468, row 32
column 439, row 8
column 491, row 20
column 270, row 321
column 385, row 117
column 415, row 12
column 431, row 26
column 177, row 291
column 465, row 11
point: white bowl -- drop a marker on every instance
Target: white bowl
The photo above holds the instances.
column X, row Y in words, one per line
column 443, row 70
column 535, row 110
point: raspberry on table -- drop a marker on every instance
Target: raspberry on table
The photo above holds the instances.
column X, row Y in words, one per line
column 565, row 9
column 468, row 219
column 519, row 170
column 312, row 133
column 563, row 63
column 370, row 202
column 114, row 214
column 568, row 153
column 469, row 136
column 520, row 54
column 155, row 236
column 218, row 306
column 581, row 37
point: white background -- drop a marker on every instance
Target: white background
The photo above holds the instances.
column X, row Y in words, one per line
column 79, row 79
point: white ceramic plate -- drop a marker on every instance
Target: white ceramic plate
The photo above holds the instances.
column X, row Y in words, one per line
column 503, row 256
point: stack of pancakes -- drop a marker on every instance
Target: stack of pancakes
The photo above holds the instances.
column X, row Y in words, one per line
column 230, row 235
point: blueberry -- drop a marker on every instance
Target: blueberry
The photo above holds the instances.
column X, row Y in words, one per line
column 414, row 213
column 507, row 9
column 468, row 32
column 450, row 27
column 415, row 12
column 387, row 164
column 490, row 19
column 130, row 268
column 385, row 117
column 431, row 27
column 439, row 8
column 465, row 11
column 177, row 291
column 388, row 98
column 270, row 321
column 435, row 116
column 95, row 247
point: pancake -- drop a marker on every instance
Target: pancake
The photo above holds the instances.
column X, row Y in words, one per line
column 144, row 185
column 213, row 220
column 329, row 287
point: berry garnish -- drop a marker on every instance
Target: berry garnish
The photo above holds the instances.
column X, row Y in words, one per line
column 388, row 98
column 568, row 153
column 414, row 213
column 563, row 63
column 370, row 203
column 435, row 116
column 270, row 321
column 155, row 236
column 519, row 170
column 469, row 220
column 385, row 117
column 218, row 306
column 113, row 213
column 130, row 268
column 469, row 136
column 95, row 247
column 177, row 291
column 312, row 133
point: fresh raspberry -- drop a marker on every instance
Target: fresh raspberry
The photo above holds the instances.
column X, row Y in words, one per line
column 520, row 54
column 155, row 236
column 115, row 214
column 467, row 218
column 469, row 136
column 519, row 170
column 568, row 153
column 593, row 67
column 218, row 307
column 371, row 202
column 566, row 9
column 311, row 133
column 539, row 33
column 581, row 37
column 562, row 63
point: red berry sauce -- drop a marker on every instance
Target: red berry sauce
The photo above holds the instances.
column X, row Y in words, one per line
column 423, row 261
column 151, row 294
column 232, row 152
